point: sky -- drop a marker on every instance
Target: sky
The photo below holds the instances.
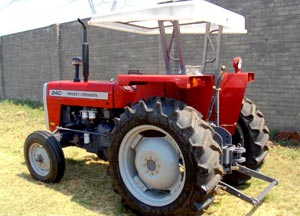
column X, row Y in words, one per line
column 22, row 15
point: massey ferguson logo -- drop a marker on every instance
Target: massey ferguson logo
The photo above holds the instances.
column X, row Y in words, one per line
column 78, row 94
column 55, row 93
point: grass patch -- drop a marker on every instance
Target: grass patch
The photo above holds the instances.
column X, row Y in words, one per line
column 86, row 187
column 26, row 103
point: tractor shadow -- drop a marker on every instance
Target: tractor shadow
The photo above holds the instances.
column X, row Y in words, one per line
column 88, row 183
column 253, row 210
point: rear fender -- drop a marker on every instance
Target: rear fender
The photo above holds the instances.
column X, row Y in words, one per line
column 233, row 89
column 172, row 86
column 181, row 81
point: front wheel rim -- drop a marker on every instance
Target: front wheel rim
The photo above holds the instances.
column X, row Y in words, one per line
column 39, row 159
column 152, row 166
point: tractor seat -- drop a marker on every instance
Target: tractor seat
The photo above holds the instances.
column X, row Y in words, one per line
column 194, row 70
column 134, row 72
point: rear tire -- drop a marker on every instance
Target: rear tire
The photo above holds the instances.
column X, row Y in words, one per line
column 44, row 157
column 163, row 159
column 252, row 134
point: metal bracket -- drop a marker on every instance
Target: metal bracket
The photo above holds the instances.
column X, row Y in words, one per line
column 253, row 200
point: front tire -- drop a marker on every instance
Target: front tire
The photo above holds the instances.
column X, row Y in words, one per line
column 44, row 157
column 163, row 159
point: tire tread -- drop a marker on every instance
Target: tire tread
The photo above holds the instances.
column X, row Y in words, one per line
column 206, row 152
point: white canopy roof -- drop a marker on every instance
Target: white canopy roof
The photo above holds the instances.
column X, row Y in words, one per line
column 190, row 14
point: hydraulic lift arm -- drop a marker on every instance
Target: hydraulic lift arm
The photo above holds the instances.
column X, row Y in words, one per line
column 255, row 201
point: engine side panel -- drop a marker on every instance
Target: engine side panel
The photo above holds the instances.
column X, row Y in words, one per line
column 86, row 94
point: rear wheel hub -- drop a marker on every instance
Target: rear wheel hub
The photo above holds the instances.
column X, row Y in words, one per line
column 157, row 163
column 152, row 167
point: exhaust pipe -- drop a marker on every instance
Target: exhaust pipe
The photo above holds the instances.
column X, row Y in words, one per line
column 85, row 53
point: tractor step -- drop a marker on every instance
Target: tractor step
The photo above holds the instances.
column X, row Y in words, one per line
column 255, row 201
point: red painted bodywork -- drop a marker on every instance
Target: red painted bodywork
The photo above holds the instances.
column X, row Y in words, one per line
column 196, row 91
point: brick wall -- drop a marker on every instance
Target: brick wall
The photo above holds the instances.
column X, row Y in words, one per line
column 271, row 49
column 111, row 52
column 27, row 64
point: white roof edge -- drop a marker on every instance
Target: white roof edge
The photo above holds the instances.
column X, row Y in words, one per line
column 144, row 20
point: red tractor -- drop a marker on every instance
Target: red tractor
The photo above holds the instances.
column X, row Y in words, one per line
column 171, row 140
